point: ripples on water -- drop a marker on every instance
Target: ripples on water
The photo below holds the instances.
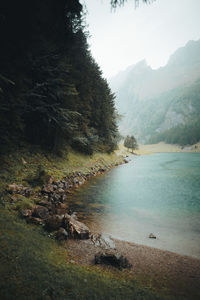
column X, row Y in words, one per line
column 157, row 193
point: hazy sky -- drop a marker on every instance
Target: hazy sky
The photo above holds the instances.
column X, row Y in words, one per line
column 124, row 37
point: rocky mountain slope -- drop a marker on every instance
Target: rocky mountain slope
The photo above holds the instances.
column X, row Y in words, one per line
column 156, row 101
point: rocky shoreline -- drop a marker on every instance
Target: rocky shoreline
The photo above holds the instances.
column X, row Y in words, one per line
column 162, row 270
column 51, row 209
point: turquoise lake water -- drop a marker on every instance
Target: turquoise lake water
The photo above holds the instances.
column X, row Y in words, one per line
column 157, row 194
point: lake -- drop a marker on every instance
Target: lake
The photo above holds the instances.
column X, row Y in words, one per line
column 158, row 193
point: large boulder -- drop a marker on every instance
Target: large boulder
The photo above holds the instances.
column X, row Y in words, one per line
column 41, row 212
column 102, row 240
column 113, row 258
column 76, row 229
column 54, row 222
column 61, row 234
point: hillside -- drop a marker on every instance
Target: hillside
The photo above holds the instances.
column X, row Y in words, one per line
column 156, row 101
column 52, row 93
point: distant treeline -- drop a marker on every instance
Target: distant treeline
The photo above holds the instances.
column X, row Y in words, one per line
column 186, row 102
column 52, row 92
column 183, row 135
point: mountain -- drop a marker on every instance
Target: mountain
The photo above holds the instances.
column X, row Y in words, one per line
column 156, row 101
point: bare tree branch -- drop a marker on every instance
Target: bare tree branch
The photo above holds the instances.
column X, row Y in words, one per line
column 116, row 3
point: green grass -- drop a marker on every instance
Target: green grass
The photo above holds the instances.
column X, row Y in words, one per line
column 33, row 266
column 33, row 167
column 13, row 168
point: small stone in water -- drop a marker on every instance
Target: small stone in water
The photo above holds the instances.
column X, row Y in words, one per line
column 152, row 236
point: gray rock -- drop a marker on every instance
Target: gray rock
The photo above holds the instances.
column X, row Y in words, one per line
column 54, row 222
column 61, row 185
column 28, row 192
column 113, row 258
column 76, row 180
column 47, row 189
column 63, row 197
column 14, row 188
column 152, row 236
column 26, row 213
column 50, row 181
column 35, row 220
column 102, row 169
column 61, row 234
column 19, row 189
column 74, row 215
column 63, row 205
column 66, row 185
column 55, row 187
column 41, row 212
column 103, row 240
column 56, row 197
column 45, row 203
column 60, row 191
column 75, row 228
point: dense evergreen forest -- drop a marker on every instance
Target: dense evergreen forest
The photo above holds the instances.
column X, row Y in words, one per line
column 188, row 134
column 52, row 92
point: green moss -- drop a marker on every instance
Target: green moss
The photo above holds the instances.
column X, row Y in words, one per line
column 22, row 202
column 39, row 177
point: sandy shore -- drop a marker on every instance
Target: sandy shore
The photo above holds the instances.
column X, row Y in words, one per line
column 169, row 273
column 162, row 147
column 158, row 148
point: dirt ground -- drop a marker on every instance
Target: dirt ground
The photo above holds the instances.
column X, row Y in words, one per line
column 169, row 273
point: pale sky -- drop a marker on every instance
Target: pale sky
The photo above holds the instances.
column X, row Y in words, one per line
column 153, row 32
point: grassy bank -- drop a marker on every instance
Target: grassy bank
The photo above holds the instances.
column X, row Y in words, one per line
column 32, row 264
column 33, row 168
column 25, row 164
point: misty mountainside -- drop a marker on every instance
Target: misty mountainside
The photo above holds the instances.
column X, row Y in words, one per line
column 163, row 104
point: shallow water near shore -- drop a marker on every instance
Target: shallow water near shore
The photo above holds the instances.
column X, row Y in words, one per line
column 157, row 194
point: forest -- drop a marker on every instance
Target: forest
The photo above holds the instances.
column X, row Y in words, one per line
column 52, row 92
